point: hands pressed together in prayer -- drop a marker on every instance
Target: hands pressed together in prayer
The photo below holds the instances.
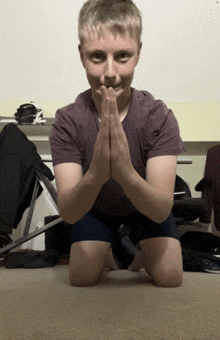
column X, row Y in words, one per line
column 111, row 157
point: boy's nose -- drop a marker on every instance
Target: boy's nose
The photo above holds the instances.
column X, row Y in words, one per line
column 110, row 72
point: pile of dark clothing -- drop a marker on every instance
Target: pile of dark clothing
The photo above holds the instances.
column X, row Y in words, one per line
column 201, row 252
column 31, row 259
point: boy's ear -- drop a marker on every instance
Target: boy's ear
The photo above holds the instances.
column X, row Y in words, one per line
column 80, row 48
column 139, row 53
column 140, row 46
column 139, row 50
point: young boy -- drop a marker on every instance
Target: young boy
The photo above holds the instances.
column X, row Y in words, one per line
column 114, row 154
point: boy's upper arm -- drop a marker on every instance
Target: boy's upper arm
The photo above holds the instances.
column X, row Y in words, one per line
column 161, row 173
column 67, row 175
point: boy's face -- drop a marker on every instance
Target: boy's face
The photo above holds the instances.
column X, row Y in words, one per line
column 110, row 61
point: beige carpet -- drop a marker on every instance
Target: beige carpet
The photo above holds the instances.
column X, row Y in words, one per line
column 39, row 304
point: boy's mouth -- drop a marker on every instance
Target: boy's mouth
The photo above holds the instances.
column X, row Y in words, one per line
column 116, row 88
column 113, row 86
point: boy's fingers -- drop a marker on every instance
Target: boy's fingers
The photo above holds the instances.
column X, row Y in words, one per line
column 104, row 105
column 104, row 134
column 112, row 129
column 111, row 93
column 104, row 128
column 109, row 102
column 113, row 107
column 113, row 102
column 104, row 92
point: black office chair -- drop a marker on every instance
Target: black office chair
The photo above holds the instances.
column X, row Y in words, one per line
column 187, row 209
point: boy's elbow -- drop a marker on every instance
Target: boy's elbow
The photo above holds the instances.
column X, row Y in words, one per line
column 160, row 219
column 67, row 219
column 64, row 213
column 164, row 213
column 68, row 216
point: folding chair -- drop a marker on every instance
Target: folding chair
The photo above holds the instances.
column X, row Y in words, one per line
column 51, row 195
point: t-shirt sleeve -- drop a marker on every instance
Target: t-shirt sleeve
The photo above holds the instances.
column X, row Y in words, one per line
column 64, row 140
column 164, row 137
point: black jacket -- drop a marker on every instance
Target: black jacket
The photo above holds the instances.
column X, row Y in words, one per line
column 18, row 161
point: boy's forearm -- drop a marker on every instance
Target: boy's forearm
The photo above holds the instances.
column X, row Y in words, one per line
column 80, row 199
column 147, row 199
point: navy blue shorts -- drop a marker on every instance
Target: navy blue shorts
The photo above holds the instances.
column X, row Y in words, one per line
column 97, row 227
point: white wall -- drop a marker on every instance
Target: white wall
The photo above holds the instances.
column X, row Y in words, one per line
column 39, row 58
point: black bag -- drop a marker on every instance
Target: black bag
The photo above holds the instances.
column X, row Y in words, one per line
column 200, row 252
column 200, row 241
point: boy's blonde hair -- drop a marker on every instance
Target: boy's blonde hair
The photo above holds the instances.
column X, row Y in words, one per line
column 117, row 16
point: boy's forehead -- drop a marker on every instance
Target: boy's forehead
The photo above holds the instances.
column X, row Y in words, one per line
column 109, row 39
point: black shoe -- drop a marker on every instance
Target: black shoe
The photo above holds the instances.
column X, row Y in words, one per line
column 5, row 239
column 215, row 251
column 210, row 266
column 123, row 249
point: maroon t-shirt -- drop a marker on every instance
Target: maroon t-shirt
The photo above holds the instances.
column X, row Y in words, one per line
column 151, row 130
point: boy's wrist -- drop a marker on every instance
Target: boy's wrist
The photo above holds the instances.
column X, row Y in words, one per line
column 94, row 180
column 129, row 181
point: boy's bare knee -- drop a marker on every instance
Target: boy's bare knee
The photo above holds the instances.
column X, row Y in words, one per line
column 83, row 280
column 87, row 282
column 169, row 280
column 87, row 262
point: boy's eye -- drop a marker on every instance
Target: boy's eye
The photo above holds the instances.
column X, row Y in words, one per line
column 123, row 57
column 97, row 57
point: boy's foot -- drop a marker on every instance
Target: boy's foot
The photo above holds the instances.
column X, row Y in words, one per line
column 123, row 250
column 138, row 262
column 110, row 262
column 5, row 239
